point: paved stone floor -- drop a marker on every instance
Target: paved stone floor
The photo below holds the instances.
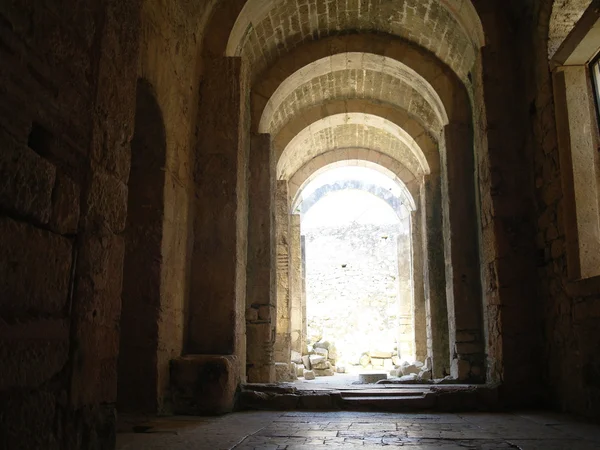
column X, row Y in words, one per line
column 354, row 430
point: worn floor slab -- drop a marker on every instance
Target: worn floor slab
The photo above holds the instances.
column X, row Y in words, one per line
column 352, row 430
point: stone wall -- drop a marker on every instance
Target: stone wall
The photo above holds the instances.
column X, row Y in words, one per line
column 571, row 308
column 352, row 287
column 67, row 82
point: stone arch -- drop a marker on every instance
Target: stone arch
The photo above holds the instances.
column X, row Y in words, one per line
column 434, row 77
column 398, row 203
column 265, row 31
column 360, row 157
column 351, row 130
column 354, row 75
column 141, row 302
column 425, row 141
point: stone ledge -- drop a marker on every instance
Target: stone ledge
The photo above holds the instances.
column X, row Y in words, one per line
column 204, row 384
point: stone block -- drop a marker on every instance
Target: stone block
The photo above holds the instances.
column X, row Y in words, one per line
column 282, row 372
column 460, row 369
column 379, row 354
column 106, row 202
column 251, row 314
column 324, row 372
column 408, row 369
column 316, row 401
column 321, row 351
column 296, row 357
column 265, row 312
column 306, row 362
column 322, row 344
column 258, row 335
column 377, row 362
column 32, row 353
column 468, row 348
column 364, row 360
column 26, row 181
column 300, row 370
column 318, row 362
column 35, row 269
column 65, row 207
column 309, row 375
column 204, row 384
column 340, row 369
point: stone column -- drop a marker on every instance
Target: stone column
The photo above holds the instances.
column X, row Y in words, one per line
column 297, row 318
column 282, row 241
column 216, row 323
column 303, row 298
column 406, row 332
column 461, row 245
column 260, row 280
column 419, row 316
column 434, row 279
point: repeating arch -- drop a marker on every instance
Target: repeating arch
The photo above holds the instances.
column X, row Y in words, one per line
column 265, row 30
column 352, row 130
column 352, row 75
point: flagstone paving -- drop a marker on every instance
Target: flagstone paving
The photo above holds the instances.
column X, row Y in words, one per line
column 354, row 430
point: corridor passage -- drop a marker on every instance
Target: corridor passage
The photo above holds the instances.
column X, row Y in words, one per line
column 353, row 430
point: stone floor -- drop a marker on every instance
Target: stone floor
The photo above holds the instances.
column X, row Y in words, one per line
column 353, row 430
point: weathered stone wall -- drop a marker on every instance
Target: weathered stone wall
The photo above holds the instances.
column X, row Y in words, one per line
column 571, row 309
column 352, row 288
column 171, row 37
column 511, row 311
column 67, row 82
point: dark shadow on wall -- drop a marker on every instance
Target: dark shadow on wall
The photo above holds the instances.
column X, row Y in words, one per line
column 138, row 375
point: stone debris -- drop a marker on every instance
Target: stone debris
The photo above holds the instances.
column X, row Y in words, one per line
column 309, row 375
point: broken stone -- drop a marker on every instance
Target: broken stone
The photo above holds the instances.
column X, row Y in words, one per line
column 410, row 369
column 425, row 375
column 306, row 362
column 323, row 344
column 300, row 370
column 324, row 372
column 340, row 369
column 309, row 375
column 364, row 360
column 322, row 352
column 396, row 373
column 413, row 377
column 318, row 362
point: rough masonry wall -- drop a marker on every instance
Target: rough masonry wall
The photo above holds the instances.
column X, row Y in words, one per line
column 571, row 309
column 169, row 60
column 67, row 82
column 511, row 311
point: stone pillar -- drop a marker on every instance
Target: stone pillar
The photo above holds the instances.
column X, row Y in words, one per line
column 434, row 279
column 303, row 298
column 297, row 319
column 419, row 316
column 282, row 240
column 260, row 281
column 406, row 332
column 461, row 245
column 216, row 322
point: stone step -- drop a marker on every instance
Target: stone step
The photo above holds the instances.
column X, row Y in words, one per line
column 382, row 393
